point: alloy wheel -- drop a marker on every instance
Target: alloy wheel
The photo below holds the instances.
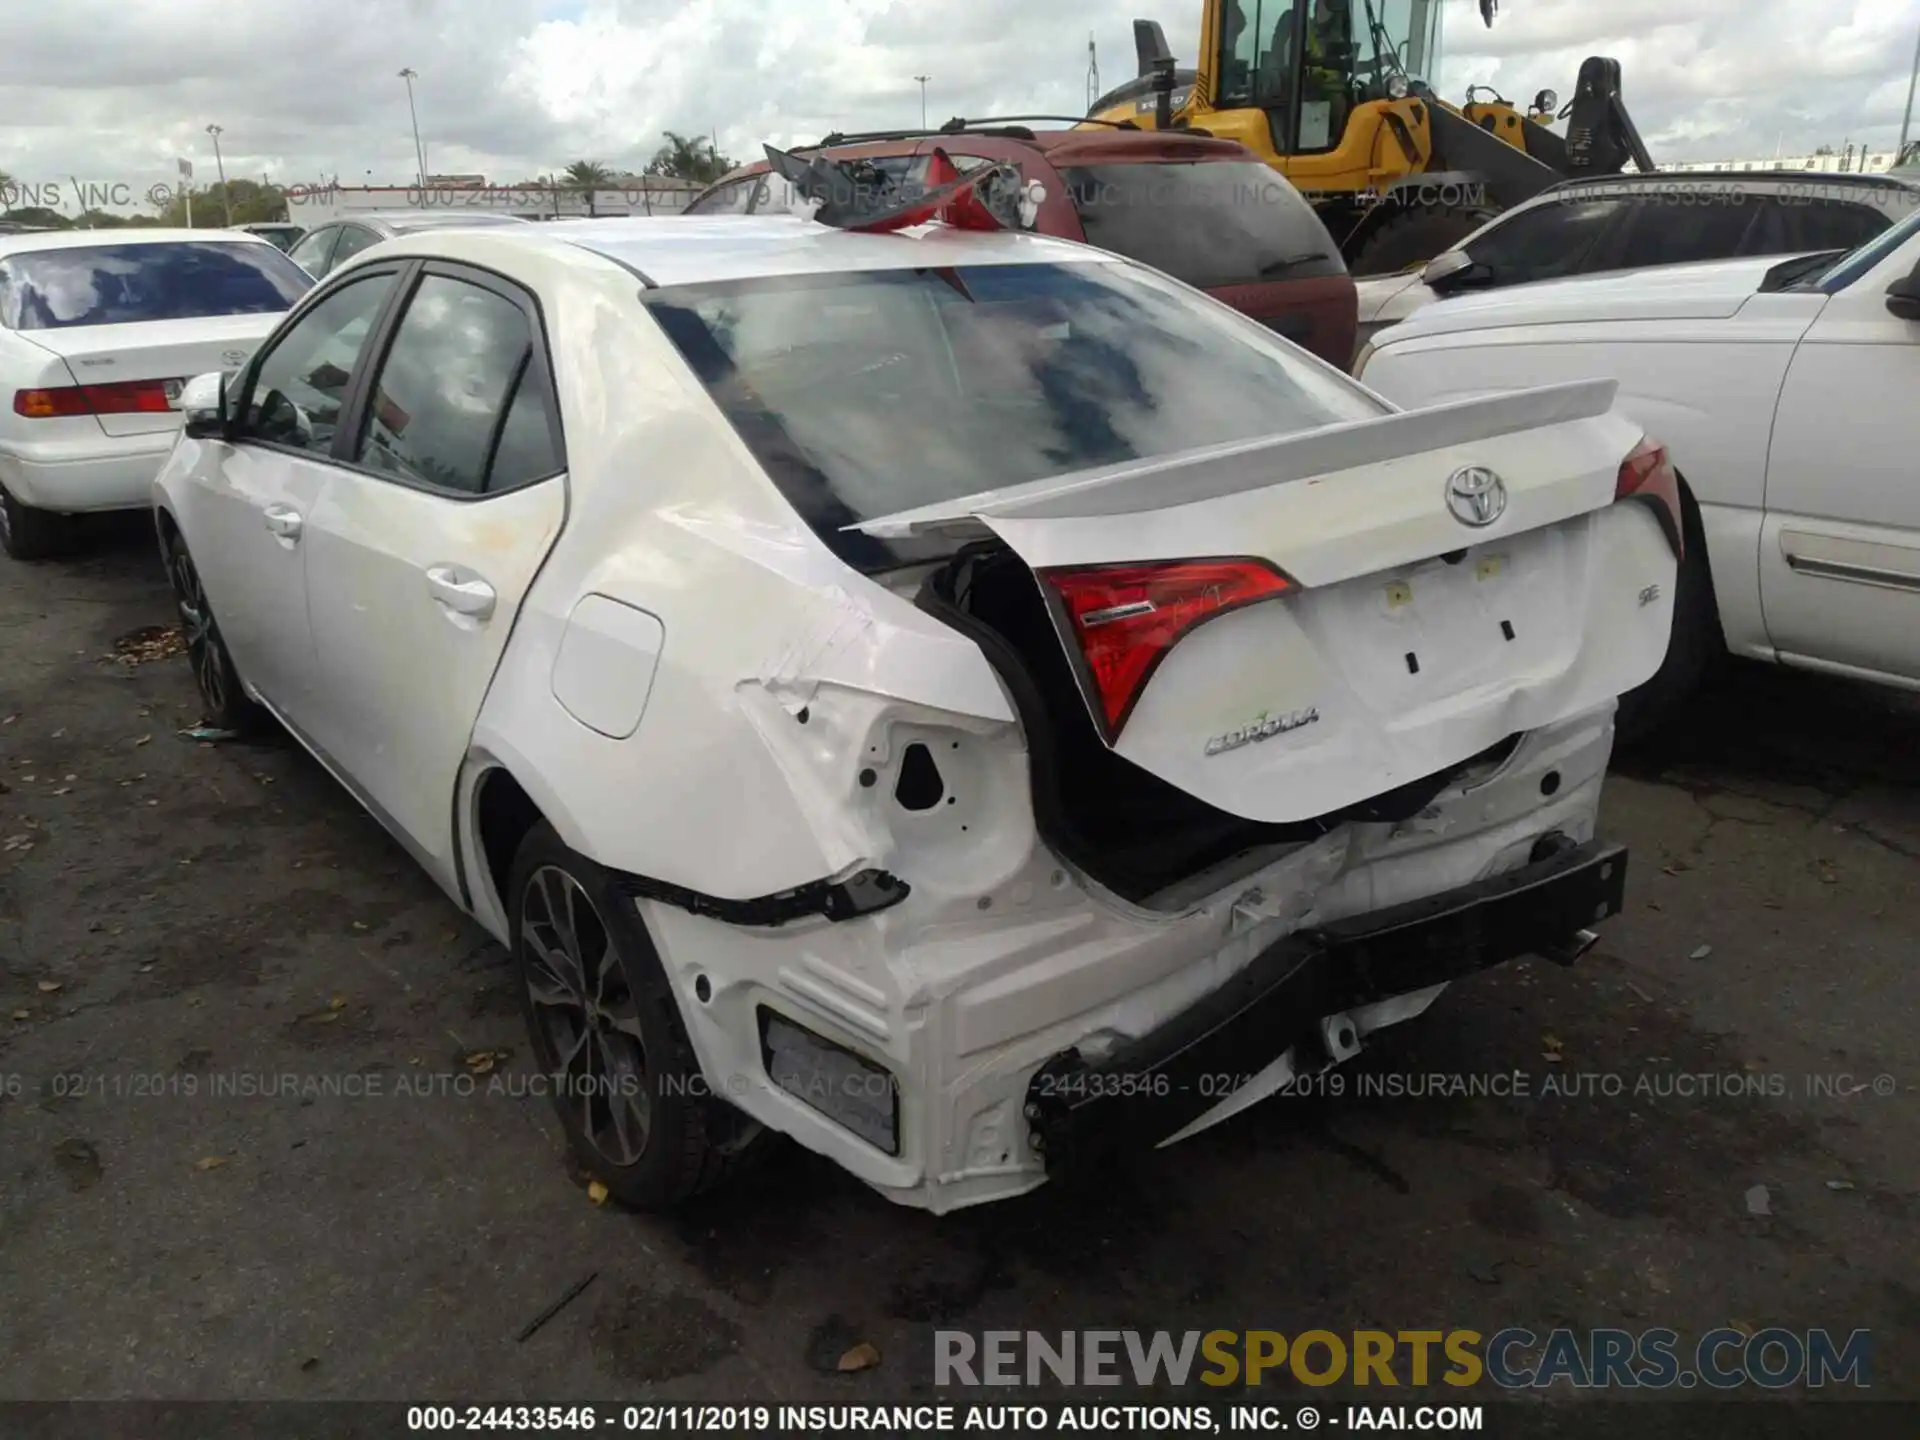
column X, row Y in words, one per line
column 587, row 1015
column 202, row 636
column 6, row 522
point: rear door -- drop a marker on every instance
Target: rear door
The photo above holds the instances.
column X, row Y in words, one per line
column 422, row 548
column 1382, row 599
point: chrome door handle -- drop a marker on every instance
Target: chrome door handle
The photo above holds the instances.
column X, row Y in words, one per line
column 284, row 521
column 470, row 596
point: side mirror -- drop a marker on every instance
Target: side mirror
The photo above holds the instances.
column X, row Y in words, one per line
column 203, row 406
column 1903, row 296
column 1449, row 262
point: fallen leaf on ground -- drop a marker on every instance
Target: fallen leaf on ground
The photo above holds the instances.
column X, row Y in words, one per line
column 596, row 1192
column 22, row 1015
column 481, row 1063
column 143, row 740
column 150, row 643
column 49, row 987
column 210, row 1162
column 1759, row 1201
column 1839, row 1184
column 339, row 1002
column 861, row 1357
column 1701, row 953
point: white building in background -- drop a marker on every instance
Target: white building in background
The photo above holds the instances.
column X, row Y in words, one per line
column 312, row 205
column 1856, row 163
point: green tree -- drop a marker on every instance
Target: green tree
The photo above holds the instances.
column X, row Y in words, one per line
column 38, row 215
column 589, row 177
column 689, row 158
column 253, row 203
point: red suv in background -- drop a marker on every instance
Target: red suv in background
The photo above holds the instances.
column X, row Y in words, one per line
column 1207, row 212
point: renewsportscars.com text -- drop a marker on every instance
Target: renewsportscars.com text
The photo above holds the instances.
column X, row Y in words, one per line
column 1514, row 1358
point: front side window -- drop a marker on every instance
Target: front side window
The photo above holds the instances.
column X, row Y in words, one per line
column 300, row 384
column 353, row 239
column 311, row 251
column 1555, row 238
column 447, row 408
column 870, row 393
column 162, row 280
column 1209, row 223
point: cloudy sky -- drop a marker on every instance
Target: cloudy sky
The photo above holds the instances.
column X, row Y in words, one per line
column 115, row 90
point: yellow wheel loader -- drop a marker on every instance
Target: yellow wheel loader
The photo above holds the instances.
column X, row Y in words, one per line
column 1334, row 94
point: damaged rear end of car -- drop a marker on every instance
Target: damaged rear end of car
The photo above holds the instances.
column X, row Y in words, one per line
column 1274, row 710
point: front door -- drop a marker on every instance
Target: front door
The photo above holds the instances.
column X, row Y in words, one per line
column 1840, row 546
column 423, row 546
column 255, row 497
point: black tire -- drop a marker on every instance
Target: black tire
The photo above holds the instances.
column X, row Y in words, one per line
column 645, row 1126
column 1695, row 646
column 1414, row 234
column 30, row 534
column 223, row 699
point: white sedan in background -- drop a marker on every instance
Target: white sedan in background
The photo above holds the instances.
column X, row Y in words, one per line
column 1782, row 389
column 958, row 699
column 98, row 332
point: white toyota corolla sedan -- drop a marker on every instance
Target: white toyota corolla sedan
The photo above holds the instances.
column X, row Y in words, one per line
column 99, row 331
column 962, row 700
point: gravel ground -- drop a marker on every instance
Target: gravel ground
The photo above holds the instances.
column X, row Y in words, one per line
column 176, row 916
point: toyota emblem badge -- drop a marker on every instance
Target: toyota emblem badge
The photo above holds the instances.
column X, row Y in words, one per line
column 1476, row 496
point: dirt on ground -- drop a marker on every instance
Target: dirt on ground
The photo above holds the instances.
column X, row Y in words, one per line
column 260, row 1135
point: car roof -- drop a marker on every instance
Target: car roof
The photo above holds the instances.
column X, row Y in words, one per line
column 129, row 235
column 692, row 249
column 1679, row 179
column 426, row 219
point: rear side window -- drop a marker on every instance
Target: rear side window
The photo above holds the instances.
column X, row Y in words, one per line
column 163, row 280
column 1666, row 231
column 1209, row 223
column 1788, row 225
column 1555, row 238
column 870, row 393
column 459, row 403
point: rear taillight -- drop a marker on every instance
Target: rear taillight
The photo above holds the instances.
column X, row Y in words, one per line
column 1647, row 474
column 129, row 397
column 1125, row 618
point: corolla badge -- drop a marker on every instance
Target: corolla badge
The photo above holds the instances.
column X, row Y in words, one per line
column 1262, row 727
column 1476, row 496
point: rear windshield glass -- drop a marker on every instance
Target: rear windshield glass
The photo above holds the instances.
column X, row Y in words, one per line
column 870, row 393
column 1211, row 223
column 162, row 280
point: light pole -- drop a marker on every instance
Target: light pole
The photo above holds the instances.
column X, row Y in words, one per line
column 923, row 98
column 420, row 156
column 1907, row 123
column 226, row 200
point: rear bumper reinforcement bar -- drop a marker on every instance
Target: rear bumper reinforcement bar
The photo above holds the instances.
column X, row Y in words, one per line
column 1154, row 1086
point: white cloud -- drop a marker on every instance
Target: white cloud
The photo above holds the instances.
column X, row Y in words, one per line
column 104, row 90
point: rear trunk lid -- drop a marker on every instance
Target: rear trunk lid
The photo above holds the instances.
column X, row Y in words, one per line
column 169, row 351
column 1415, row 622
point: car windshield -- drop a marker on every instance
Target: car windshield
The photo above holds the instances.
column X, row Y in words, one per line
column 160, row 280
column 871, row 393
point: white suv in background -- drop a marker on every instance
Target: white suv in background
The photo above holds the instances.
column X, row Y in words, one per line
column 1784, row 390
